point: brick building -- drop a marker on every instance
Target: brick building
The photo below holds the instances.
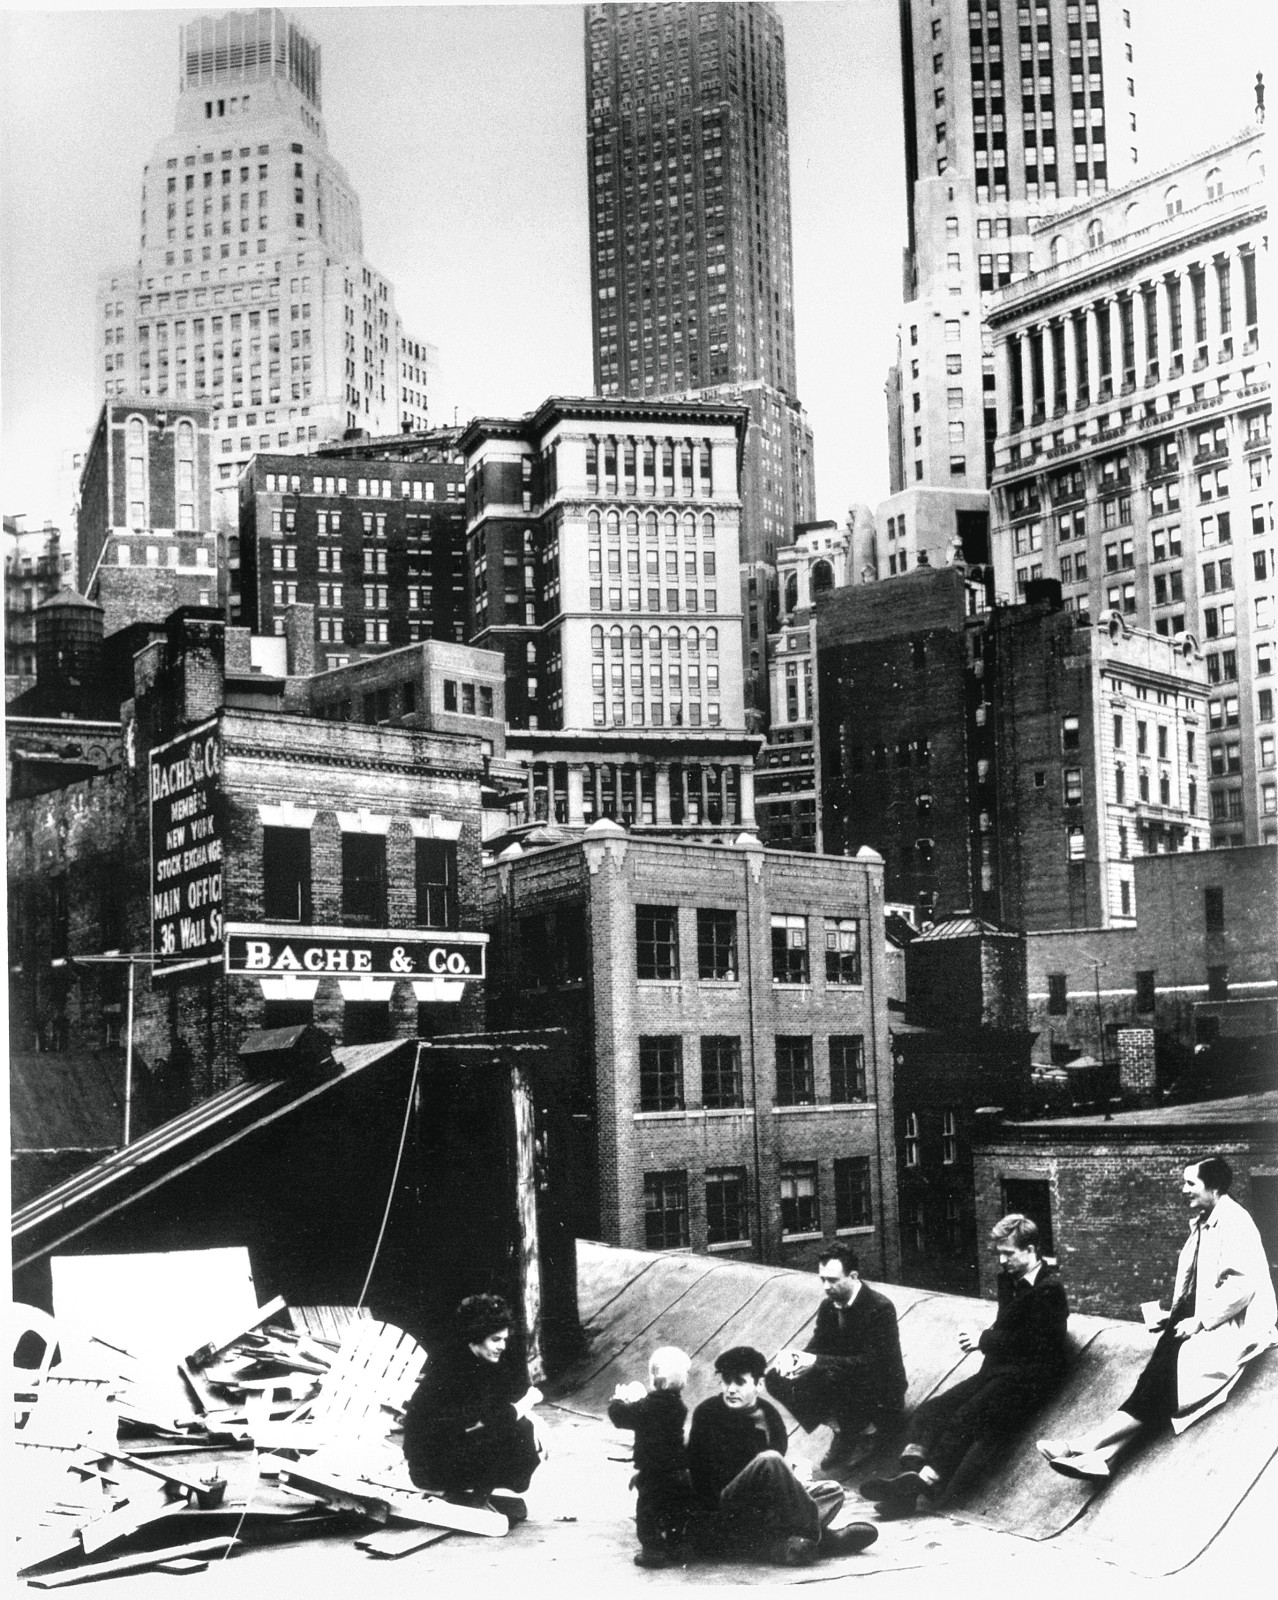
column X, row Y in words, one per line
column 337, row 868
column 144, row 539
column 1133, row 455
column 727, row 1008
column 1100, row 758
column 1195, row 970
column 36, row 566
column 376, row 544
column 901, row 729
column 1106, row 1190
column 963, row 1045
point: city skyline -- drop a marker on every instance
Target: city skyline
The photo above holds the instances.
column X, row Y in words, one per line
column 440, row 190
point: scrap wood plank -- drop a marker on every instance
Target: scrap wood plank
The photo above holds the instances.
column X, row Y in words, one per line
column 124, row 1519
column 208, row 1352
column 339, row 1491
column 391, row 1543
column 136, row 1563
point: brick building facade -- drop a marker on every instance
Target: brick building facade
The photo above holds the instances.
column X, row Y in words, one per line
column 343, row 857
column 728, row 1012
column 144, row 541
column 1108, row 1191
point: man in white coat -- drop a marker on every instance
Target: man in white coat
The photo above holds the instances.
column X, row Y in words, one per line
column 1222, row 1316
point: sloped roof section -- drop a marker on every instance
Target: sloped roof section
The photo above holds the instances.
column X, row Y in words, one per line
column 72, row 1101
column 964, row 928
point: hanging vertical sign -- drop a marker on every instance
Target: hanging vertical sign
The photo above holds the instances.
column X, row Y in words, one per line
column 186, row 849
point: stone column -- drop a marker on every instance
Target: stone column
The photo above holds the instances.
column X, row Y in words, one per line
column 1027, row 376
column 663, row 794
column 705, row 792
column 1140, row 345
column 747, row 796
column 1091, row 324
column 576, row 798
column 1071, row 364
column 1049, row 370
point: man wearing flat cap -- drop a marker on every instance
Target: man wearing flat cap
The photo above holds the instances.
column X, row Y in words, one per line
column 747, row 1500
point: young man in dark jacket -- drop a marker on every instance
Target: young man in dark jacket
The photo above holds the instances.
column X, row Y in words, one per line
column 851, row 1374
column 746, row 1500
column 1026, row 1357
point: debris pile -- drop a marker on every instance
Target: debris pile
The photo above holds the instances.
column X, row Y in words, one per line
column 280, row 1426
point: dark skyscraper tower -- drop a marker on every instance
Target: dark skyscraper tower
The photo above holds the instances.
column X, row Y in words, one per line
column 691, row 260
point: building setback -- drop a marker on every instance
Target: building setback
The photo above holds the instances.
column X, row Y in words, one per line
column 728, row 1013
column 144, row 525
column 1134, row 446
column 376, row 544
column 251, row 289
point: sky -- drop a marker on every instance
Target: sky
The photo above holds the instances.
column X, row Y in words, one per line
column 462, row 128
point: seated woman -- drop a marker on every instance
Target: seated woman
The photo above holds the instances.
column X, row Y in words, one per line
column 467, row 1433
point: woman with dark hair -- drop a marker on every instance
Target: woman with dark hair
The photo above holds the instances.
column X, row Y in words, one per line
column 467, row 1432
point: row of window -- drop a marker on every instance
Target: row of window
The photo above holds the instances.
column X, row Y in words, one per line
column 286, row 878
column 728, row 1208
column 661, row 1071
column 657, row 946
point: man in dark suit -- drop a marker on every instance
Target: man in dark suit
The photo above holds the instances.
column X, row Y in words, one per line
column 1026, row 1357
column 851, row 1375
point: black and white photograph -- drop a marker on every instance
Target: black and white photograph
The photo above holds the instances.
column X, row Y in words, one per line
column 641, row 797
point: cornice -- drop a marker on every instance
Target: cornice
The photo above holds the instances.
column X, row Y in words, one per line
column 326, row 758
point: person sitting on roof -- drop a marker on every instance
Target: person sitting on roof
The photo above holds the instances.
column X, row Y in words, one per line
column 1222, row 1316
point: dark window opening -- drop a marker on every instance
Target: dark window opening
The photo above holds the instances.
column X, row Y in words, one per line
column 800, row 1206
column 717, row 944
column 1214, row 909
column 665, row 1210
column 847, row 1068
column 286, row 874
column 661, row 1073
column 853, row 1198
column 727, row 1210
column 657, row 941
column 721, row 1072
column 794, row 1070
column 1057, row 994
column 1145, row 992
column 1032, row 1198
column 436, row 883
column 288, row 1013
column 364, row 879
column 366, row 1022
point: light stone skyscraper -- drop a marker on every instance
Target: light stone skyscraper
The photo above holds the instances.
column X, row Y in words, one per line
column 251, row 288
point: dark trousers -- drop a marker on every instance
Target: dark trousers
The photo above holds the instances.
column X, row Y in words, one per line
column 1154, row 1397
column 765, row 1502
column 663, row 1502
column 492, row 1457
column 986, row 1406
column 846, row 1400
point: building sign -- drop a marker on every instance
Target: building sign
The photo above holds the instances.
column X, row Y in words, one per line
column 339, row 953
column 186, row 848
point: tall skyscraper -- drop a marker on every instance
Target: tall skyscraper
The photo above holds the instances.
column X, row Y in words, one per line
column 691, row 260
column 1012, row 111
column 251, row 288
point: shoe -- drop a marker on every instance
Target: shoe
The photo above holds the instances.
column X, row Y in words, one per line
column 1053, row 1449
column 792, row 1552
column 904, row 1486
column 845, row 1453
column 511, row 1506
column 848, row 1540
column 1089, row 1465
column 653, row 1558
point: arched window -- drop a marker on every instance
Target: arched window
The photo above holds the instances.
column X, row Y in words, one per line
column 1095, row 233
column 1256, row 166
column 672, row 639
column 754, row 661
column 136, row 472
column 707, row 525
column 1173, row 202
column 654, row 640
column 636, row 639
column 1131, row 218
column 632, row 526
column 1055, row 249
column 712, row 641
column 615, row 640
column 689, row 525
column 791, row 591
column 185, row 475
column 596, row 640
column 694, row 642
column 650, row 525
column 671, row 525
column 822, row 577
column 1215, row 183
column 614, row 525
column 593, row 525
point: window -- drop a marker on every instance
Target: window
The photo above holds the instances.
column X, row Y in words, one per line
column 661, row 1073
column 717, row 945
column 1218, row 983
column 949, row 1137
column 789, row 949
column 286, row 874
column 842, row 950
column 727, row 1209
column 366, row 1021
column 665, row 1210
column 657, row 941
column 1075, row 843
column 364, row 879
column 853, row 1197
column 800, row 1210
column 1073, row 786
column 847, row 1068
column 794, row 1070
column 1057, row 994
column 1069, row 733
column 1214, row 909
column 436, row 883
column 911, row 1139
column 721, row 1072
column 1145, row 992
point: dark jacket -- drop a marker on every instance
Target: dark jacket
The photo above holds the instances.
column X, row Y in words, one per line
column 657, row 1423
column 1028, row 1335
column 722, row 1441
column 863, row 1340
column 462, row 1411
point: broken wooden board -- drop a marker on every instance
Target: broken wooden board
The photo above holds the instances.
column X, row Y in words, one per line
column 380, row 1501
column 214, row 1347
column 389, row 1544
column 138, row 1563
